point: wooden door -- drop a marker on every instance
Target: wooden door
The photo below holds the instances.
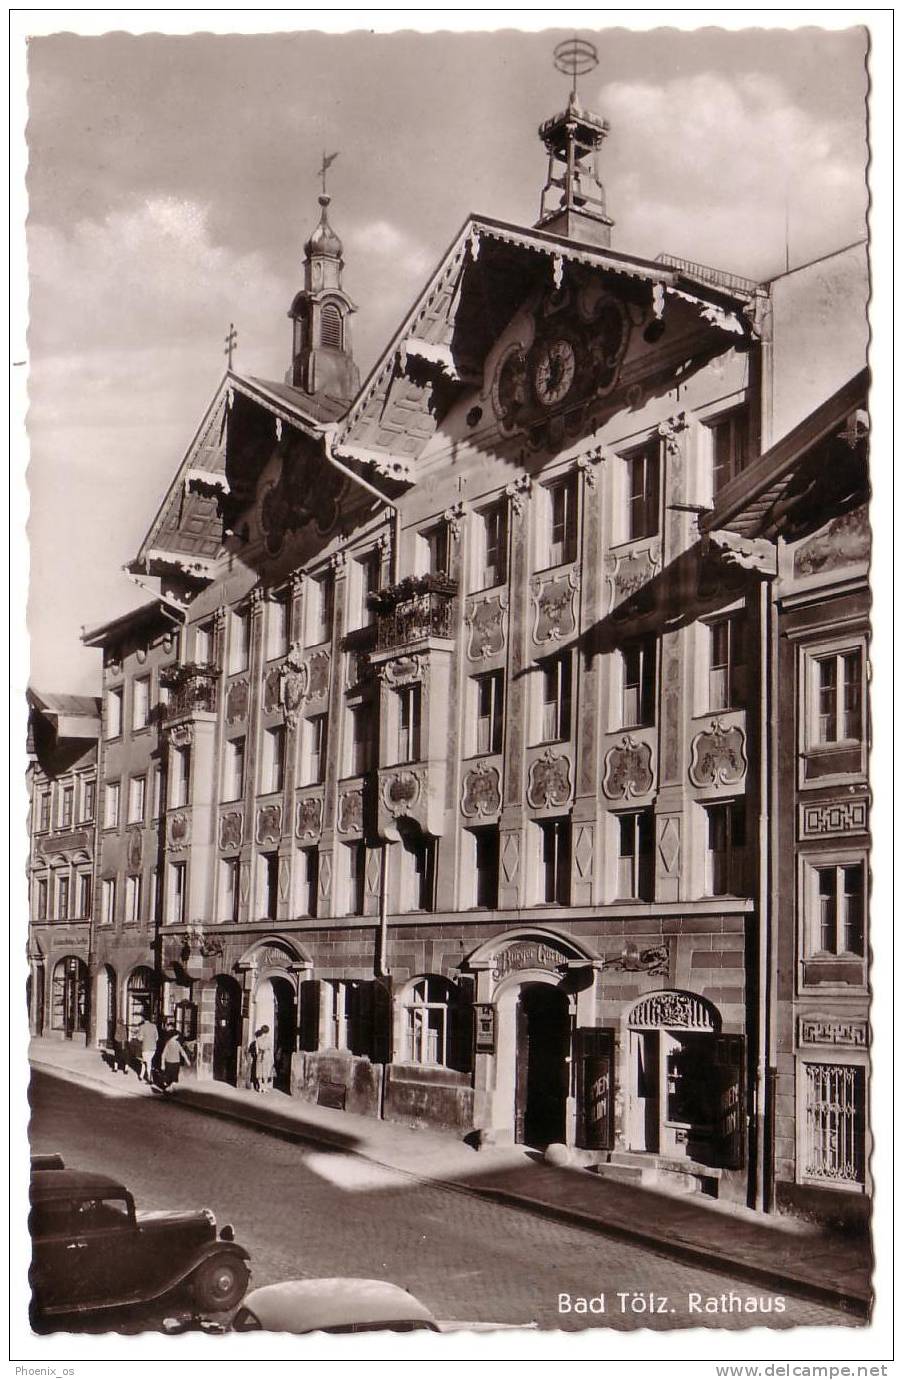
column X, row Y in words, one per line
column 595, row 1055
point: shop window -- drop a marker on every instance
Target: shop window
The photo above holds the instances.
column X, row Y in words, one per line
column 490, row 712
column 635, row 856
column 727, row 663
column 89, row 799
column 111, row 806
column 315, row 749
column 230, row 873
column 418, row 872
column 114, row 713
column 278, row 610
column 554, row 861
column 137, row 792
column 272, row 775
column 140, row 703
column 239, row 641
column 132, row 900
column 180, row 778
column 638, row 683
column 491, row 567
column 486, row 867
column 66, row 802
column 62, row 898
column 108, row 900
column 235, row 769
column 642, row 476
column 407, row 700
column 730, row 447
column 726, row 848
column 834, row 1138
column 177, row 899
column 555, row 699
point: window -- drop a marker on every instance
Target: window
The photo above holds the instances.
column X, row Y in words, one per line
column 42, row 899
column 111, row 806
column 730, row 447
column 490, row 710
column 486, row 867
column 492, row 551
column 355, row 859
column 638, row 683
column 556, row 699
column 180, row 781
column 114, row 713
column 66, row 801
column 177, row 898
column 269, row 879
column 239, row 640
column 234, row 785
column 555, row 861
column 433, row 552
column 727, row 663
column 366, row 580
column 85, row 894
column 315, row 749
column 89, row 797
column 137, row 792
column 562, row 520
column 642, row 470
column 141, row 703
column 132, row 900
column 834, row 1144
column 726, row 845
column 108, row 900
column 278, row 612
column 838, row 697
column 203, row 644
column 408, row 706
column 635, row 856
column 418, row 872
column 62, row 898
column 331, row 327
column 273, row 764
column 230, row 874
column 310, row 859
column 320, row 610
column 362, row 743
column 158, row 790
column 436, row 1024
column 838, row 916
column 44, row 812
column 350, row 1017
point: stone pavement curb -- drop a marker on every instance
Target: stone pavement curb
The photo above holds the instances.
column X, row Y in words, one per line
column 776, row 1281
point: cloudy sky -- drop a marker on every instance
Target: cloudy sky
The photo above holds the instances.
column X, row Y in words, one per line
column 172, row 183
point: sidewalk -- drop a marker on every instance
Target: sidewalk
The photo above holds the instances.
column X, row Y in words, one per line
column 777, row 1254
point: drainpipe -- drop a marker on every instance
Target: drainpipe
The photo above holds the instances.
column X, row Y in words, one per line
column 382, row 969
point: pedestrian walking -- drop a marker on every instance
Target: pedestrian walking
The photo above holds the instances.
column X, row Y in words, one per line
column 121, row 1046
column 264, row 1061
column 148, row 1036
column 174, row 1055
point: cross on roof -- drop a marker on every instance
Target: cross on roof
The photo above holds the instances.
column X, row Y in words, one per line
column 231, row 342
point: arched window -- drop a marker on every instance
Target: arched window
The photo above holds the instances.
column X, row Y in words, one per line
column 331, row 327
column 437, row 1025
column 140, row 993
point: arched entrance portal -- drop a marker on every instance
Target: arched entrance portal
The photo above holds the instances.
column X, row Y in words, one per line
column 105, row 1005
column 69, row 998
column 673, row 1075
column 226, row 1029
column 275, row 1006
column 543, row 1045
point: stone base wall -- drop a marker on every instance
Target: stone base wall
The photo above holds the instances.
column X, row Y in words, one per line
column 830, row 1206
column 428, row 1098
column 336, row 1078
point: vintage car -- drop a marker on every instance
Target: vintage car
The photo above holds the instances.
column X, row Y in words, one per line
column 333, row 1305
column 91, row 1250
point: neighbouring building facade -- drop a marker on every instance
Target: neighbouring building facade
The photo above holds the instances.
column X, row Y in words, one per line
column 491, row 743
column 62, row 789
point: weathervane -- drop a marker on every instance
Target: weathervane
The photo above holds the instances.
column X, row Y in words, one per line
column 575, row 57
column 231, row 342
column 328, row 160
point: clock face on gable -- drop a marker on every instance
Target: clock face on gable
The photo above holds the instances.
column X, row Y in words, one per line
column 554, row 371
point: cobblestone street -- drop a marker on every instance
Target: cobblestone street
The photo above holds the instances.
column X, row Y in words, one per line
column 311, row 1212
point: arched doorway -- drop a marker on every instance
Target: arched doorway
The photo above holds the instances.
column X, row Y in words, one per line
column 275, row 1006
column 69, row 998
column 673, row 1076
column 543, row 1045
column 105, row 1005
column 140, row 996
column 226, row 1029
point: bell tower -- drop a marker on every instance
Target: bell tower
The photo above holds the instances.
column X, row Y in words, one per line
column 322, row 359
column 572, row 140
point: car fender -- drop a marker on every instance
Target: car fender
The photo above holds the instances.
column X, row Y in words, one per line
column 208, row 1252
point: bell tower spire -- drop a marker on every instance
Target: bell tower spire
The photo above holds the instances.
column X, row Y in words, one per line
column 322, row 359
column 572, row 140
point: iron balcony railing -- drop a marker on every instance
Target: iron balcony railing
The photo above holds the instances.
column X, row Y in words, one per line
column 416, row 608
column 192, row 687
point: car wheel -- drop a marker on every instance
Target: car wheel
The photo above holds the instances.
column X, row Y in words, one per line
column 220, row 1283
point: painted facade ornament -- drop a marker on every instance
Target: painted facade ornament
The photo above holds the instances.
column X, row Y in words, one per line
column 269, row 824
column 819, row 1030
column 524, row 954
column 179, row 830
column 831, row 817
column 481, row 794
column 755, row 554
column 454, row 517
column 589, row 465
column 231, row 829
column 486, row 618
column 306, row 491
column 296, row 583
column 519, row 491
column 135, row 849
column 668, row 830
column 309, row 817
column 237, row 700
column 549, row 781
column 628, row 770
column 181, row 735
column 633, row 959
column 404, row 670
column 272, row 689
column 318, row 676
column 401, row 792
column 351, row 812
column 670, row 430
column 293, row 681
column 273, row 956
column 845, row 541
column 554, row 606
column 627, row 575
column 337, row 561
column 199, row 943
column 717, row 756
column 677, row 1010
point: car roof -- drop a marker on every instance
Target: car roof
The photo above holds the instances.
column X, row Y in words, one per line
column 72, row 1183
column 309, row 1305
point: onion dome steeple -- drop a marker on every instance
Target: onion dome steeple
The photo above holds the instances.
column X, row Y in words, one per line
column 572, row 140
column 322, row 360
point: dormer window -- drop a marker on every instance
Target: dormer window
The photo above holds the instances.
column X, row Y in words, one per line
column 331, row 327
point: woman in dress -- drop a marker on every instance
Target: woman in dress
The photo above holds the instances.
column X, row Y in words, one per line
column 263, row 1042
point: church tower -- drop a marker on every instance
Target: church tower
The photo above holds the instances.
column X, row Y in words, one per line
column 572, row 140
column 322, row 361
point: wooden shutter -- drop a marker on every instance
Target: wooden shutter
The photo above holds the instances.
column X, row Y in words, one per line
column 730, row 1128
column 594, row 1048
column 309, row 1015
